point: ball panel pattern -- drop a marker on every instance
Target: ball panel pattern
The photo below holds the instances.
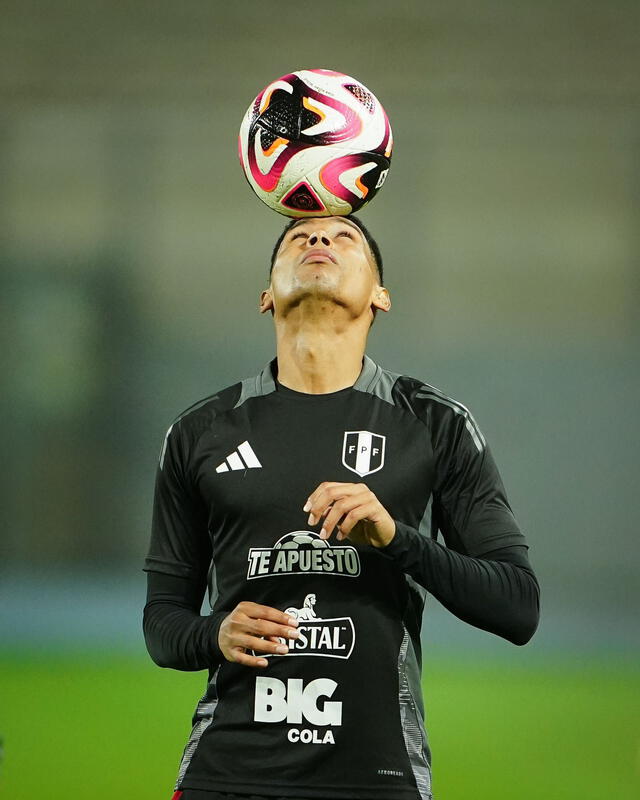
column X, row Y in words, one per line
column 303, row 198
column 315, row 142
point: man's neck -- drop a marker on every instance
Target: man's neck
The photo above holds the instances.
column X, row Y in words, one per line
column 319, row 366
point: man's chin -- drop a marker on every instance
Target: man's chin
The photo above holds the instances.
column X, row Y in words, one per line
column 312, row 292
column 316, row 284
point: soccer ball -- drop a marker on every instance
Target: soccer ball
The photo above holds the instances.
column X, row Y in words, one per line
column 300, row 540
column 315, row 143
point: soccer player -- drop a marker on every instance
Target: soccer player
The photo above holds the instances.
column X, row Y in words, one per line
column 308, row 499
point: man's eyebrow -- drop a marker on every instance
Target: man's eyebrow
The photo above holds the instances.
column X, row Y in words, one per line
column 345, row 221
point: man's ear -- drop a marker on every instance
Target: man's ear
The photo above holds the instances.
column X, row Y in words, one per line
column 266, row 301
column 381, row 298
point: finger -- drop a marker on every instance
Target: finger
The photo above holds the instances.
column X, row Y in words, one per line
column 339, row 509
column 363, row 512
column 240, row 657
column 335, row 514
column 318, row 500
column 325, row 497
column 250, row 661
column 258, row 611
column 319, row 488
column 260, row 645
column 261, row 627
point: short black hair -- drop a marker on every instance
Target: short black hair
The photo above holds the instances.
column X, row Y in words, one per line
column 373, row 245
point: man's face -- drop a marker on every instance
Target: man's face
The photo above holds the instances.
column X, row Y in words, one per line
column 323, row 258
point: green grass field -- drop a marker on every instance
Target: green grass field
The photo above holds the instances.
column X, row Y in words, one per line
column 114, row 727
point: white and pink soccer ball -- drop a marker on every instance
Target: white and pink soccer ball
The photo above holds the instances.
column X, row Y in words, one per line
column 315, row 143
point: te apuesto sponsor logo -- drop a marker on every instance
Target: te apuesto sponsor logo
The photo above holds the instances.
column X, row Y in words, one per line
column 300, row 552
column 332, row 637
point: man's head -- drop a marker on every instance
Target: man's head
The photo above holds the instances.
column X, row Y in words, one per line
column 330, row 258
column 373, row 245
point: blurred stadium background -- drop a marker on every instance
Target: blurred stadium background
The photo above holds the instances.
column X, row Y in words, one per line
column 132, row 256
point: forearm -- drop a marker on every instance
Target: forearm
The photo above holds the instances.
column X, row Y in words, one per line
column 176, row 634
column 498, row 593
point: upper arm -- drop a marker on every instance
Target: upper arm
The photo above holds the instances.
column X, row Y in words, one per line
column 180, row 544
column 470, row 504
column 176, row 590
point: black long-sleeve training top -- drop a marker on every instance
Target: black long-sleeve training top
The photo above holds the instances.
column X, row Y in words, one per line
column 234, row 473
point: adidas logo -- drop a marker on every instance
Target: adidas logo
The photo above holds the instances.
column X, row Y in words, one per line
column 233, row 460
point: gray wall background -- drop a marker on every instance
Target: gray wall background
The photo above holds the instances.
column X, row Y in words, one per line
column 133, row 253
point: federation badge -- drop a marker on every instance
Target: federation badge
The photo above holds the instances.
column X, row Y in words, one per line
column 363, row 452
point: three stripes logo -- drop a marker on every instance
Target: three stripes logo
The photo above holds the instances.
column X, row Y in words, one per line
column 242, row 457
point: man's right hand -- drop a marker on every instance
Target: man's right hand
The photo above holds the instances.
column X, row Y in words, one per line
column 243, row 628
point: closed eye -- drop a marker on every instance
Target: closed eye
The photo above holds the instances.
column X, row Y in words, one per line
column 344, row 232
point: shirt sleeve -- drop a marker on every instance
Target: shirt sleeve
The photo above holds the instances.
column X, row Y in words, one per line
column 180, row 543
column 176, row 634
column 177, row 565
column 482, row 573
column 498, row 593
column 470, row 506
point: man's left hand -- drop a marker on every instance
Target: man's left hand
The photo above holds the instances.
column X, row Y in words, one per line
column 354, row 509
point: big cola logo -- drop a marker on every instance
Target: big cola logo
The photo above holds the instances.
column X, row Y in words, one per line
column 295, row 703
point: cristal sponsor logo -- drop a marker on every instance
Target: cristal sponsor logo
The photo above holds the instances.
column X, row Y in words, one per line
column 294, row 703
column 303, row 552
column 333, row 637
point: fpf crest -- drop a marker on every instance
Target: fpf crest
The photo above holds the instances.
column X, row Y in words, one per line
column 363, row 452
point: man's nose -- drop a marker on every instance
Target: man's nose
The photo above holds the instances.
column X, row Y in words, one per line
column 318, row 237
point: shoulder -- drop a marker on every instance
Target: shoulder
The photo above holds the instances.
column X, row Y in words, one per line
column 199, row 415
column 442, row 413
